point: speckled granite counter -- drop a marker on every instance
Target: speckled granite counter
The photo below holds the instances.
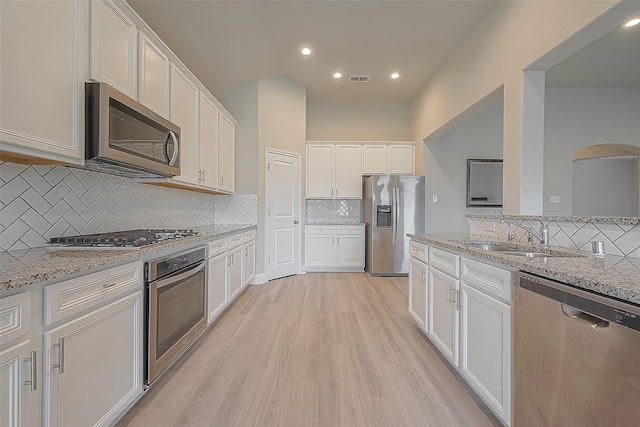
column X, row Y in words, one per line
column 333, row 223
column 27, row 267
column 561, row 218
column 614, row 276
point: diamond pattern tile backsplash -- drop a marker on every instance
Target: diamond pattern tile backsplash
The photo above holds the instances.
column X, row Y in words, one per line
column 334, row 211
column 623, row 240
column 39, row 202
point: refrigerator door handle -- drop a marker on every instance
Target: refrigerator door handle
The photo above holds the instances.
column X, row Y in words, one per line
column 394, row 216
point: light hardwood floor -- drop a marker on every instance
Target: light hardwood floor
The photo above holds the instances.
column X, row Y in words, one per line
column 321, row 349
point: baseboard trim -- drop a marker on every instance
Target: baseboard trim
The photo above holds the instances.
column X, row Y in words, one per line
column 259, row 279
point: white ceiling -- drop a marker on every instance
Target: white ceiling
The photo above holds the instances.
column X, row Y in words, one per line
column 611, row 61
column 228, row 44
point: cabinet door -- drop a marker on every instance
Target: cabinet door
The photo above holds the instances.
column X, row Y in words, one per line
column 234, row 264
column 208, row 125
column 153, row 77
column 485, row 349
column 94, row 365
column 226, row 155
column 184, row 112
column 18, row 403
column 401, row 159
column 418, row 292
column 217, row 297
column 320, row 251
column 350, row 251
column 443, row 313
column 114, row 46
column 348, row 172
column 42, row 80
column 249, row 262
column 374, row 159
column 320, row 164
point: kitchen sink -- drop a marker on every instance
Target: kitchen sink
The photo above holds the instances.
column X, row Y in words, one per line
column 529, row 254
column 509, row 250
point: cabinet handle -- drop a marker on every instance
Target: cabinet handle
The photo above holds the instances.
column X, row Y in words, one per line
column 424, row 277
column 108, row 285
column 34, row 372
column 332, row 191
column 60, row 347
column 203, row 175
column 338, row 240
column 333, row 240
column 246, row 251
column 336, row 191
column 452, row 296
column 222, row 181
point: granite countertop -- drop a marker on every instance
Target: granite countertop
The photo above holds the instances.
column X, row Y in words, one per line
column 613, row 276
column 26, row 267
column 620, row 220
column 333, row 223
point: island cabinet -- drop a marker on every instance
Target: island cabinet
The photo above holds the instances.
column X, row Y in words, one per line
column 468, row 318
column 418, row 290
column 93, row 347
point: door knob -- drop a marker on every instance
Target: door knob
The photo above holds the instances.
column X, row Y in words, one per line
column 295, row 221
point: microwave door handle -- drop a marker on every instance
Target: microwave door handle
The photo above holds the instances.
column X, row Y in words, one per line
column 174, row 157
column 178, row 277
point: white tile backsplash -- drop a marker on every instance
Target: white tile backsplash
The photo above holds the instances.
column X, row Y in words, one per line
column 621, row 240
column 39, row 202
column 346, row 211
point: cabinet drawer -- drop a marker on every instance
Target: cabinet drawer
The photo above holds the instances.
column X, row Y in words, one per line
column 445, row 261
column 249, row 235
column 15, row 316
column 487, row 278
column 218, row 246
column 321, row 230
column 350, row 230
column 72, row 296
column 235, row 240
column 419, row 251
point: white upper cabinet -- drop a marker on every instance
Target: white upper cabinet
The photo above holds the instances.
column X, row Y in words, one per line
column 153, row 76
column 374, row 159
column 320, row 171
column 348, row 171
column 388, row 159
column 114, row 47
column 334, row 171
column 401, row 159
column 226, row 154
column 208, row 126
column 42, row 76
column 184, row 112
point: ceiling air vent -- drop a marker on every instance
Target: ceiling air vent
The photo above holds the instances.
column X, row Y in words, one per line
column 358, row 78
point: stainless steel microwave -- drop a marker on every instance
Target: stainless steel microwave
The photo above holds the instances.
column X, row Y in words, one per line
column 123, row 137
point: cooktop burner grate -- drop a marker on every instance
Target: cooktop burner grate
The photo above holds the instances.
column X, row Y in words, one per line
column 121, row 239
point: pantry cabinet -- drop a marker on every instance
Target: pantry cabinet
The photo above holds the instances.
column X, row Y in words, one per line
column 114, row 47
column 41, row 47
column 334, row 171
column 335, row 248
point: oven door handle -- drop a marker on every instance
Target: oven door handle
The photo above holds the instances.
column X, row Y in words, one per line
column 178, row 277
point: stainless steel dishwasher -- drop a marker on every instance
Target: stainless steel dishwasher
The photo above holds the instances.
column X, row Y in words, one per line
column 576, row 357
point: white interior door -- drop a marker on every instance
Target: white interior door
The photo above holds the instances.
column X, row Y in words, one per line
column 283, row 214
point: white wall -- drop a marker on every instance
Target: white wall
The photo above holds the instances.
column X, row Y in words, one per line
column 271, row 113
column 445, row 168
column 512, row 37
column 576, row 118
column 358, row 121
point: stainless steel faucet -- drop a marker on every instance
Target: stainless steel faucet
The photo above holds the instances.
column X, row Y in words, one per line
column 542, row 234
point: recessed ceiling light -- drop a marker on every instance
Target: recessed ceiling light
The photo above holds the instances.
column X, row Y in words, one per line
column 632, row 23
column 306, row 51
column 395, row 75
column 337, row 75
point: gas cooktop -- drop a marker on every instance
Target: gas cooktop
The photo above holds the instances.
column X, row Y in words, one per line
column 132, row 239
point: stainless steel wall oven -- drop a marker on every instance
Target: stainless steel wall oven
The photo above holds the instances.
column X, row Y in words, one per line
column 176, row 306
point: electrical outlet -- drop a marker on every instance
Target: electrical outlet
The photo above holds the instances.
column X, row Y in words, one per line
column 490, row 226
column 554, row 199
column 434, row 199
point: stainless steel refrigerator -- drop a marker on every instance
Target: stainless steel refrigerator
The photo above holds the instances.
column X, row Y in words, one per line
column 393, row 206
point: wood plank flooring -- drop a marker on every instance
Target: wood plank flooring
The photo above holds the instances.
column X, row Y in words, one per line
column 321, row 349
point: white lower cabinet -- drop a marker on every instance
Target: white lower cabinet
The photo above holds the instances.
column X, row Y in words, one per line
column 18, row 404
column 335, row 248
column 249, row 262
column 443, row 313
column 418, row 292
column 217, row 289
column 93, row 365
column 234, row 264
column 485, row 349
